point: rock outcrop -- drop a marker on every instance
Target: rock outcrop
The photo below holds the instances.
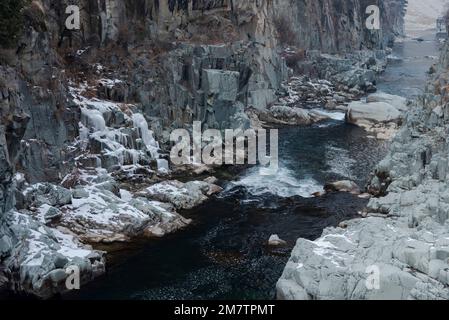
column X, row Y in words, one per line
column 400, row 250
column 337, row 26
column 380, row 114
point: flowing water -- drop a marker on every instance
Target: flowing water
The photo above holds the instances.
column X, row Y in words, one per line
column 224, row 254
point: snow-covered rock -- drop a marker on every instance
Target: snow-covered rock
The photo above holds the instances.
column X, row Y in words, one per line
column 401, row 249
column 373, row 258
column 117, row 133
column 181, row 195
column 97, row 210
column 40, row 257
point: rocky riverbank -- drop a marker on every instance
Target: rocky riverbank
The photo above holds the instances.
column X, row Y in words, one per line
column 86, row 115
column 399, row 249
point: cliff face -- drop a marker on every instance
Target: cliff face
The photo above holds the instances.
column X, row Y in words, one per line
column 338, row 25
column 106, row 97
column 159, row 51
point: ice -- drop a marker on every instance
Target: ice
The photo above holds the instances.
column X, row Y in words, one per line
column 110, row 82
column 119, row 143
column 162, row 166
column 94, row 119
column 146, row 134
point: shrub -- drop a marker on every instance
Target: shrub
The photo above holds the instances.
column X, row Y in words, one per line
column 286, row 34
column 11, row 21
column 292, row 59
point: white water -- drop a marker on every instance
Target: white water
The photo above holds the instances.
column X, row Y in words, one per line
column 339, row 161
column 283, row 184
column 334, row 115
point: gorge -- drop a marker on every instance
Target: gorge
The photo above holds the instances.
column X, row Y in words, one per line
column 87, row 180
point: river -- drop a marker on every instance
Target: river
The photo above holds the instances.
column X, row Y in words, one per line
column 224, row 254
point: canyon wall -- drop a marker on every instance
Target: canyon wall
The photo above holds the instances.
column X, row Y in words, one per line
column 165, row 53
column 93, row 97
column 335, row 26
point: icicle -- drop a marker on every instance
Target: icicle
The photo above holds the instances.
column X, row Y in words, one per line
column 145, row 134
column 162, row 166
column 94, row 119
column 98, row 162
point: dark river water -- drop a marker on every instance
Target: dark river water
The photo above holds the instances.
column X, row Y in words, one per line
column 224, row 255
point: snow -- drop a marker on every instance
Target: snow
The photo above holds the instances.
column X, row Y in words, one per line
column 125, row 195
column 162, row 166
column 102, row 208
column 116, row 142
column 110, row 83
column 69, row 247
column 166, row 188
column 41, row 211
column 42, row 241
column 329, row 251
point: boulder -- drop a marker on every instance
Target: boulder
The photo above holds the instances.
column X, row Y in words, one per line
column 362, row 114
column 292, row 115
column 79, row 193
column 342, row 186
column 275, row 241
column 181, row 195
column 49, row 194
column 52, row 214
column 372, row 258
column 42, row 256
column 400, row 103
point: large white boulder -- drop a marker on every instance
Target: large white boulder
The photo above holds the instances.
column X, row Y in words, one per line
column 362, row 114
column 398, row 102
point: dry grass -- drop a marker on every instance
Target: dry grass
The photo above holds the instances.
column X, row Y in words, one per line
column 286, row 35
